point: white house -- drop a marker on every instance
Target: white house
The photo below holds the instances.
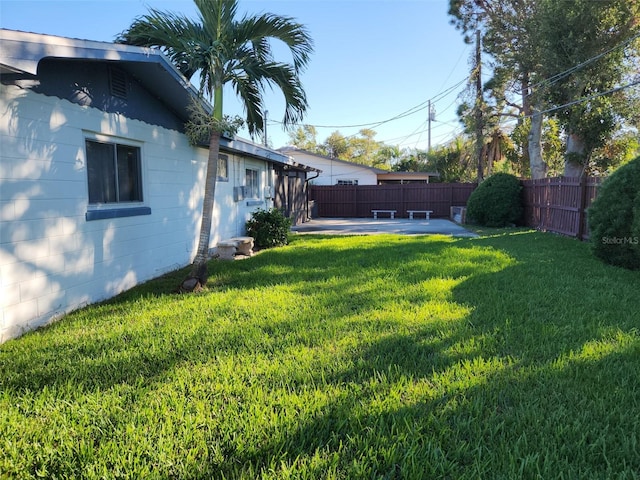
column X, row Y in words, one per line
column 99, row 188
column 340, row 172
column 334, row 171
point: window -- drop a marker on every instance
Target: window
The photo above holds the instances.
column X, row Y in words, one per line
column 223, row 168
column 347, row 182
column 114, row 173
column 251, row 183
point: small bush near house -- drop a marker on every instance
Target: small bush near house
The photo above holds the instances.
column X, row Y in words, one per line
column 497, row 202
column 269, row 228
column 614, row 218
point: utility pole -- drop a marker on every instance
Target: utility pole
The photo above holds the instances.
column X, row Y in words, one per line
column 432, row 117
column 266, row 115
column 479, row 102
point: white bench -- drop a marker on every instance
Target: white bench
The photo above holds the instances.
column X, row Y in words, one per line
column 392, row 213
column 427, row 213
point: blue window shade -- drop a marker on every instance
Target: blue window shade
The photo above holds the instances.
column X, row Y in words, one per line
column 117, row 213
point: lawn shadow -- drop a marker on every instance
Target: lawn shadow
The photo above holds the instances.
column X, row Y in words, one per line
column 484, row 387
column 539, row 401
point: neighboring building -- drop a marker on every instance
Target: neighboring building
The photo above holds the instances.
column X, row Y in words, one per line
column 405, row 177
column 340, row 172
column 99, row 188
column 334, row 171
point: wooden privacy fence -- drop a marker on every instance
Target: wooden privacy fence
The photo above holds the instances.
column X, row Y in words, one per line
column 357, row 201
column 556, row 204
column 559, row 204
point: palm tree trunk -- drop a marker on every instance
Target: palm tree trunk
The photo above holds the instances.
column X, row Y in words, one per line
column 199, row 267
column 199, row 274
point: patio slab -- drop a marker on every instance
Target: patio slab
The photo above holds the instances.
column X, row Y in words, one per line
column 369, row 226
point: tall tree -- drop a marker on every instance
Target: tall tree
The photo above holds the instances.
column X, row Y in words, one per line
column 223, row 48
column 364, row 147
column 304, row 137
column 337, row 145
column 545, row 49
column 591, row 44
column 510, row 35
column 387, row 156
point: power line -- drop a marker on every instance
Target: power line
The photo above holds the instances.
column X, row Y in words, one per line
column 591, row 97
column 465, row 50
column 406, row 113
column 559, row 76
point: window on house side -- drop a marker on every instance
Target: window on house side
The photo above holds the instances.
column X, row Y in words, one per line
column 223, row 168
column 251, row 182
column 347, row 182
column 114, row 173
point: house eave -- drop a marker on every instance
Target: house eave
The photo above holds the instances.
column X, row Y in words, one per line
column 22, row 52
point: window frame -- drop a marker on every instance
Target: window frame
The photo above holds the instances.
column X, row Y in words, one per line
column 252, row 191
column 347, row 182
column 102, row 210
column 223, row 158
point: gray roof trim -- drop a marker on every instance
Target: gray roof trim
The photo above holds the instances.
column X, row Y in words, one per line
column 408, row 174
column 238, row 145
column 24, row 50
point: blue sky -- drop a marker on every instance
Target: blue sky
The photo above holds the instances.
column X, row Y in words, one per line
column 373, row 60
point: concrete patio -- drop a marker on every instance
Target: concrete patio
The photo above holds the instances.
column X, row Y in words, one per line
column 369, row 226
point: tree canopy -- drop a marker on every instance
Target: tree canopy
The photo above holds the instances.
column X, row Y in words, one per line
column 570, row 61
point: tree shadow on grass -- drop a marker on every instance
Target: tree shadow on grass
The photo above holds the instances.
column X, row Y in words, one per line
column 541, row 385
column 472, row 390
column 540, row 422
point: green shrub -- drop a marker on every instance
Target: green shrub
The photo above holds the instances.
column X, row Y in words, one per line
column 614, row 218
column 269, row 228
column 497, row 202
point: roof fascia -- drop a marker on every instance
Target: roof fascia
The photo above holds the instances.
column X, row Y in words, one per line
column 23, row 51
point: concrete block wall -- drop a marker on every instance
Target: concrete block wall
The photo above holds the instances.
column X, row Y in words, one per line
column 52, row 260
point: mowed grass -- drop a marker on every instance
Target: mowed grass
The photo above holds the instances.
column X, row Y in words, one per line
column 512, row 355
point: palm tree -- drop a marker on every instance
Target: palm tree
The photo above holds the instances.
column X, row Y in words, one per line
column 222, row 48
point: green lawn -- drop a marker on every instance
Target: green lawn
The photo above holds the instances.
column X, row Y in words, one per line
column 512, row 355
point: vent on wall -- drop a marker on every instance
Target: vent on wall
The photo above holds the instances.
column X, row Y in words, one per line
column 118, row 82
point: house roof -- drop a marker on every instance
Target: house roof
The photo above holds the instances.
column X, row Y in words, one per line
column 292, row 150
column 21, row 52
column 382, row 174
column 246, row 147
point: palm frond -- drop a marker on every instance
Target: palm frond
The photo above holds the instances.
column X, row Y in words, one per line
column 259, row 75
column 175, row 35
column 285, row 29
column 221, row 49
column 217, row 16
column 250, row 93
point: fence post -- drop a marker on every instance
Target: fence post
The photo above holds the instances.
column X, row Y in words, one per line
column 355, row 200
column 582, row 202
